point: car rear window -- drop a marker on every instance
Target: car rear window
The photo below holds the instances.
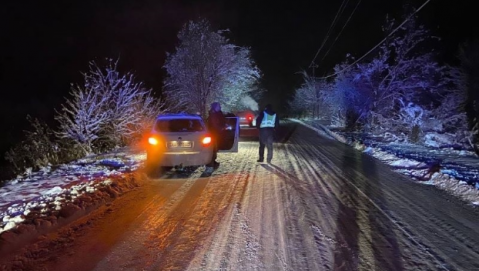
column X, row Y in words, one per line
column 179, row 125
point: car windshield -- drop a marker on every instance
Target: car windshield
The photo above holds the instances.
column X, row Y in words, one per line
column 179, row 125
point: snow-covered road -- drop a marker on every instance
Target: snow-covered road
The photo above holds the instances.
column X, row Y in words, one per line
column 321, row 205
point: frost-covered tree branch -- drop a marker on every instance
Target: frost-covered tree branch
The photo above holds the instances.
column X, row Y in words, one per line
column 205, row 67
column 109, row 109
column 310, row 100
column 401, row 76
column 82, row 117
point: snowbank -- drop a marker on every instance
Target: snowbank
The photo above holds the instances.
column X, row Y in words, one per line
column 49, row 192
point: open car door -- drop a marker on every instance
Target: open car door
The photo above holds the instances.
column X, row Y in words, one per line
column 230, row 136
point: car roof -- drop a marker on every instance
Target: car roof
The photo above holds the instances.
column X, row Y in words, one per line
column 178, row 116
column 245, row 111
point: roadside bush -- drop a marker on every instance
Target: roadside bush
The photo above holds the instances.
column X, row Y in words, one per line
column 37, row 150
column 108, row 110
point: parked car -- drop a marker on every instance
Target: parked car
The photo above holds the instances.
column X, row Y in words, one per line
column 247, row 118
column 183, row 140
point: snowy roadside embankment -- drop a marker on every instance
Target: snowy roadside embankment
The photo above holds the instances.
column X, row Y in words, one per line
column 445, row 176
column 77, row 185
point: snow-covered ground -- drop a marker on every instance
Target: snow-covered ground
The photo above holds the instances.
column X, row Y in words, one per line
column 320, row 205
column 52, row 188
column 443, row 177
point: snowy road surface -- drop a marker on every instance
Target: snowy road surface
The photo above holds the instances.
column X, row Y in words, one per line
column 320, row 205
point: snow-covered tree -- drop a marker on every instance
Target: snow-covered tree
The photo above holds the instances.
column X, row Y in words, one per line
column 241, row 80
column 130, row 106
column 310, row 99
column 400, row 76
column 83, row 116
column 205, row 67
column 469, row 56
column 109, row 109
column 348, row 100
column 299, row 104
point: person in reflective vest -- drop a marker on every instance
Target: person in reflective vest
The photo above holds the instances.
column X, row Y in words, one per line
column 267, row 122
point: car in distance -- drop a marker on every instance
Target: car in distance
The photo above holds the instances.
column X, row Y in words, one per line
column 247, row 118
column 183, row 140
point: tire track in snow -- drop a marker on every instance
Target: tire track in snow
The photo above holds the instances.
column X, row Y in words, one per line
column 310, row 173
column 225, row 187
column 316, row 207
column 220, row 251
column 354, row 174
column 263, row 228
column 310, row 152
column 318, row 183
column 397, row 198
column 136, row 249
column 417, row 235
column 293, row 200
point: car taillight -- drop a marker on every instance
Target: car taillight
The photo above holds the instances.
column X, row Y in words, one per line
column 153, row 141
column 206, row 140
column 250, row 117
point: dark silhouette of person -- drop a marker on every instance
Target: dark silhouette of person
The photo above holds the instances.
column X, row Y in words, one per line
column 216, row 124
column 267, row 122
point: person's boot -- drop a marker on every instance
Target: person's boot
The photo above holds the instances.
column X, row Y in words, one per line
column 260, row 160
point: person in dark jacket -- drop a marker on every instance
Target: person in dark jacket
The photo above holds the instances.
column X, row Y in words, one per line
column 267, row 122
column 216, row 124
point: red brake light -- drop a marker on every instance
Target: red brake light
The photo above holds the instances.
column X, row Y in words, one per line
column 206, row 140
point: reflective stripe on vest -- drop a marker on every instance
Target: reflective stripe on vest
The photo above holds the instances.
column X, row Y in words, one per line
column 268, row 121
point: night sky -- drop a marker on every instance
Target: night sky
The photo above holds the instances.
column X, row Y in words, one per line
column 46, row 44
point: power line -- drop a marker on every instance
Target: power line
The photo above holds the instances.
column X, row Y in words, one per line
column 377, row 45
column 338, row 14
column 331, row 27
column 344, row 26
